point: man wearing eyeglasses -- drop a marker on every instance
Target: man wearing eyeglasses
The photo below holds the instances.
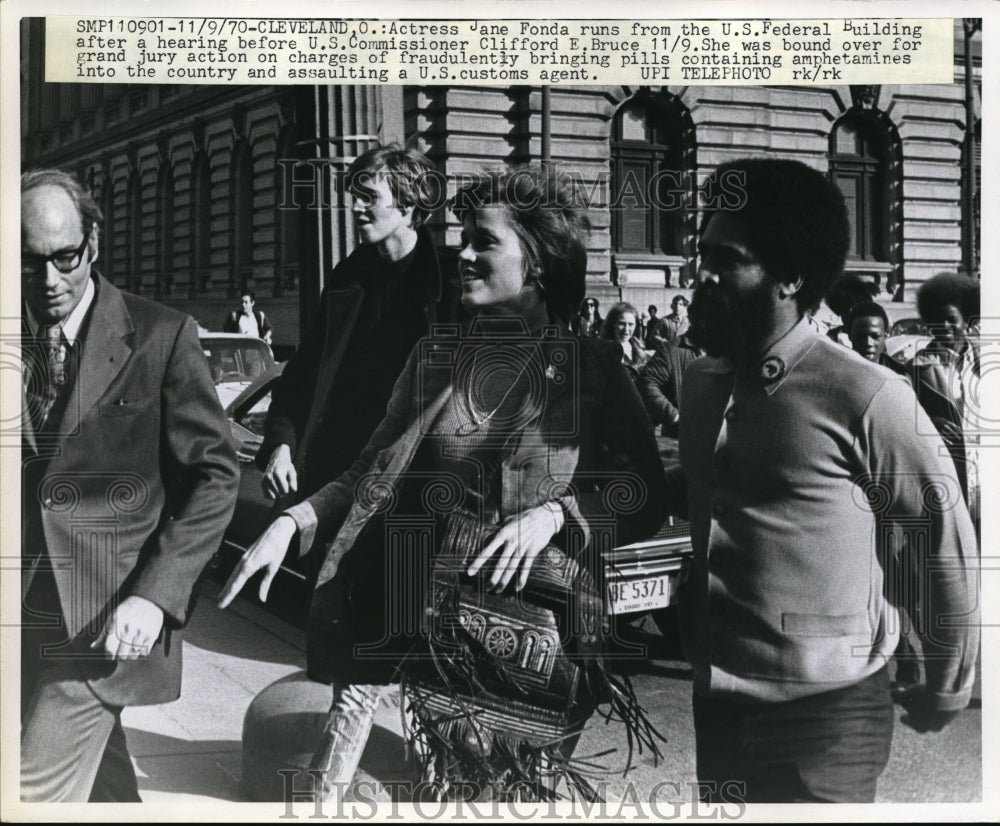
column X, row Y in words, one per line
column 128, row 482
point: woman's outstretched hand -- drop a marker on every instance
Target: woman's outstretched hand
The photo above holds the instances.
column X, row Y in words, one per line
column 267, row 552
column 518, row 543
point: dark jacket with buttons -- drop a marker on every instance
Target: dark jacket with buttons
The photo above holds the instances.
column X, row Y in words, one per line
column 334, row 389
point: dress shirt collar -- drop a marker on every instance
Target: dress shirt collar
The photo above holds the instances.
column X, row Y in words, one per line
column 72, row 323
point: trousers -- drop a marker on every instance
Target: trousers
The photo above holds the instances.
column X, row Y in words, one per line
column 345, row 733
column 829, row 747
column 73, row 746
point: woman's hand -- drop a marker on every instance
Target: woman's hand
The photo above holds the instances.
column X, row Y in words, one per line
column 519, row 542
column 267, row 552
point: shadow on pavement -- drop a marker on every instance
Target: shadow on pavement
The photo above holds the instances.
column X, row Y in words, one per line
column 203, row 768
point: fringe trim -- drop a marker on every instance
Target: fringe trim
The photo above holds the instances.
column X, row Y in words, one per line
column 460, row 755
column 457, row 750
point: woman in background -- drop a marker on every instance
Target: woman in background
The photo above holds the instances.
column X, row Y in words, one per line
column 619, row 327
column 588, row 322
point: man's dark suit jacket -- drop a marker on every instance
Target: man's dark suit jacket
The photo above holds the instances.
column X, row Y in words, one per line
column 131, row 492
column 334, row 389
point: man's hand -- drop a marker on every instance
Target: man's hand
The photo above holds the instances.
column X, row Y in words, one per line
column 519, row 542
column 131, row 630
column 267, row 552
column 921, row 715
column 280, row 477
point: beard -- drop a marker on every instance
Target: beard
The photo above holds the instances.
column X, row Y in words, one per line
column 734, row 326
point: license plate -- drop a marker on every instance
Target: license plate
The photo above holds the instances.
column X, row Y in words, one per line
column 629, row 596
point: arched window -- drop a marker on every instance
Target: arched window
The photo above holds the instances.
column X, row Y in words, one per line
column 165, row 229
column 652, row 181
column 242, row 211
column 201, row 224
column 133, row 277
column 859, row 166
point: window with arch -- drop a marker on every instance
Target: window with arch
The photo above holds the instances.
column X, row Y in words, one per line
column 652, row 181
column 242, row 206
column 133, row 278
column 859, row 166
column 201, row 223
column 165, row 229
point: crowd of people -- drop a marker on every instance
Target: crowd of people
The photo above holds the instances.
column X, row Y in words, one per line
column 520, row 436
column 944, row 372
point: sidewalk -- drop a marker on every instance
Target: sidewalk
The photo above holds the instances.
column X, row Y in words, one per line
column 190, row 750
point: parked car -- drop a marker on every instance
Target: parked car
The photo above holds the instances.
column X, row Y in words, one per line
column 235, row 360
column 642, row 577
column 905, row 337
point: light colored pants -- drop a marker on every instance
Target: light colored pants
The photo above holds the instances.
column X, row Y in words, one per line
column 345, row 734
column 73, row 747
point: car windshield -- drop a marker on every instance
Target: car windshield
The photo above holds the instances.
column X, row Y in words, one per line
column 908, row 327
column 238, row 359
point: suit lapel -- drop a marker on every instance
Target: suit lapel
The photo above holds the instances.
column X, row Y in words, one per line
column 27, row 427
column 103, row 353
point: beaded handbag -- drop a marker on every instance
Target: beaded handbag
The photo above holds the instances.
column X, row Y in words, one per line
column 508, row 679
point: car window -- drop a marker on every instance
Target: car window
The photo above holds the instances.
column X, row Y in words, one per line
column 253, row 419
column 253, row 363
column 908, row 327
column 236, row 360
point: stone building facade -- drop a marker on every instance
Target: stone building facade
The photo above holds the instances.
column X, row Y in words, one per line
column 210, row 190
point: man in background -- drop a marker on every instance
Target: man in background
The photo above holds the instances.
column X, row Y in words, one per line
column 248, row 320
column 660, row 382
column 377, row 304
column 671, row 327
column 867, row 325
column 846, row 291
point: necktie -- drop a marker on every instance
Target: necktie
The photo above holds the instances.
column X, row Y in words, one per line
column 56, row 352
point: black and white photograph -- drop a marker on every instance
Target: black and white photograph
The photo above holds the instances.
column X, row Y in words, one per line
column 355, row 476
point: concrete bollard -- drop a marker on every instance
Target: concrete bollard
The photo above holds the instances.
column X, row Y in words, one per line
column 281, row 729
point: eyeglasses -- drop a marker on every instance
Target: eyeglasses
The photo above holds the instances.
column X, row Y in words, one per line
column 64, row 260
